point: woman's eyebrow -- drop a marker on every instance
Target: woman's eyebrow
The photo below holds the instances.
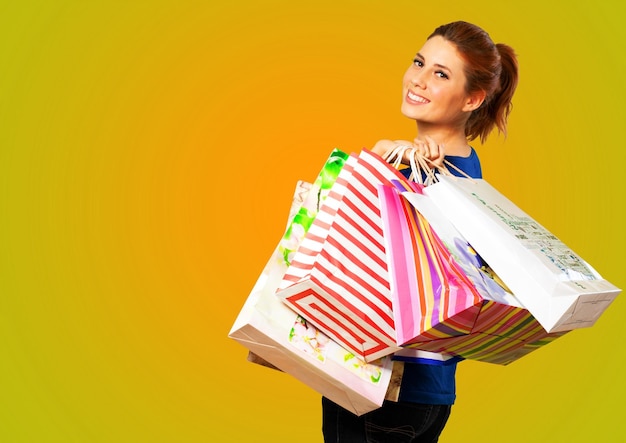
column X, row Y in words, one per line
column 438, row 65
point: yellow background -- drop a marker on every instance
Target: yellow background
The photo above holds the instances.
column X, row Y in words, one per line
column 148, row 152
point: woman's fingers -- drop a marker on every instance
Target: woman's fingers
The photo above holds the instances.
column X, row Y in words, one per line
column 430, row 149
column 425, row 147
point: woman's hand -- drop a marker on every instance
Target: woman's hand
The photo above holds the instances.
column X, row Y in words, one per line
column 427, row 147
column 430, row 149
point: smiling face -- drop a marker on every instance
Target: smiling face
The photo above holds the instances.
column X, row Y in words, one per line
column 434, row 86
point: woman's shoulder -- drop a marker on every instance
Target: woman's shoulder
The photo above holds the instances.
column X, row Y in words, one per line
column 470, row 165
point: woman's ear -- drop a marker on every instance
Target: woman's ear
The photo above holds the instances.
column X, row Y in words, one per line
column 474, row 101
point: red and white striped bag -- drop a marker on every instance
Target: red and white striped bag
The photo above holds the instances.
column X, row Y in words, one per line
column 338, row 278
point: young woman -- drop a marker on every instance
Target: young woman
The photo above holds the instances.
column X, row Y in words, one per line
column 458, row 88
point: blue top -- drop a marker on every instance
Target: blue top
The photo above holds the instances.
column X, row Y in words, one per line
column 434, row 384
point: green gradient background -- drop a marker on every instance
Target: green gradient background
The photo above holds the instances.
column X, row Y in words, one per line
column 148, row 151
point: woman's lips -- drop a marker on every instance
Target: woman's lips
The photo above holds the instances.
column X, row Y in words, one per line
column 416, row 99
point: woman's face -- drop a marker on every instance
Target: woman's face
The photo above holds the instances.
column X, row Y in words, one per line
column 434, row 85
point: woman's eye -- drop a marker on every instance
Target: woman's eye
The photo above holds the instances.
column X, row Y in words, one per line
column 417, row 62
column 441, row 74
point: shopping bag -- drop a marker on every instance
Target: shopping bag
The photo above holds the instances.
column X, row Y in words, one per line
column 285, row 340
column 430, row 293
column 502, row 336
column 303, row 216
column 465, row 311
column 338, row 278
column 560, row 289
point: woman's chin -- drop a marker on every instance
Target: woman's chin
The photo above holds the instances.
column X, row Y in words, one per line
column 412, row 115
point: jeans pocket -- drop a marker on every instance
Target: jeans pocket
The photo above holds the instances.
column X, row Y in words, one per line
column 377, row 433
column 406, row 422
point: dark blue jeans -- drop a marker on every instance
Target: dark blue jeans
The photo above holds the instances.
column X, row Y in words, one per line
column 392, row 423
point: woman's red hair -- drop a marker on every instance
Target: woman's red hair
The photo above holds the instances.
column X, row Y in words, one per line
column 489, row 67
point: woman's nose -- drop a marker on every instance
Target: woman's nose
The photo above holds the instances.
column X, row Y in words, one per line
column 418, row 79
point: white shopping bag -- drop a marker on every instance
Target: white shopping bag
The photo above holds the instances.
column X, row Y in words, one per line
column 280, row 337
column 560, row 289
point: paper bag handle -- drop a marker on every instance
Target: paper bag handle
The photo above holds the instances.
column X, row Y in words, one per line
column 423, row 169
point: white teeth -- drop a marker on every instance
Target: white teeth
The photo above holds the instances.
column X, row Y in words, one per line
column 417, row 98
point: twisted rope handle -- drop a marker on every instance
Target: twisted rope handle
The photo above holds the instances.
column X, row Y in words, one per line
column 423, row 169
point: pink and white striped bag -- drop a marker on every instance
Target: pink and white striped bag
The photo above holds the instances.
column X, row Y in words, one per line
column 338, row 278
